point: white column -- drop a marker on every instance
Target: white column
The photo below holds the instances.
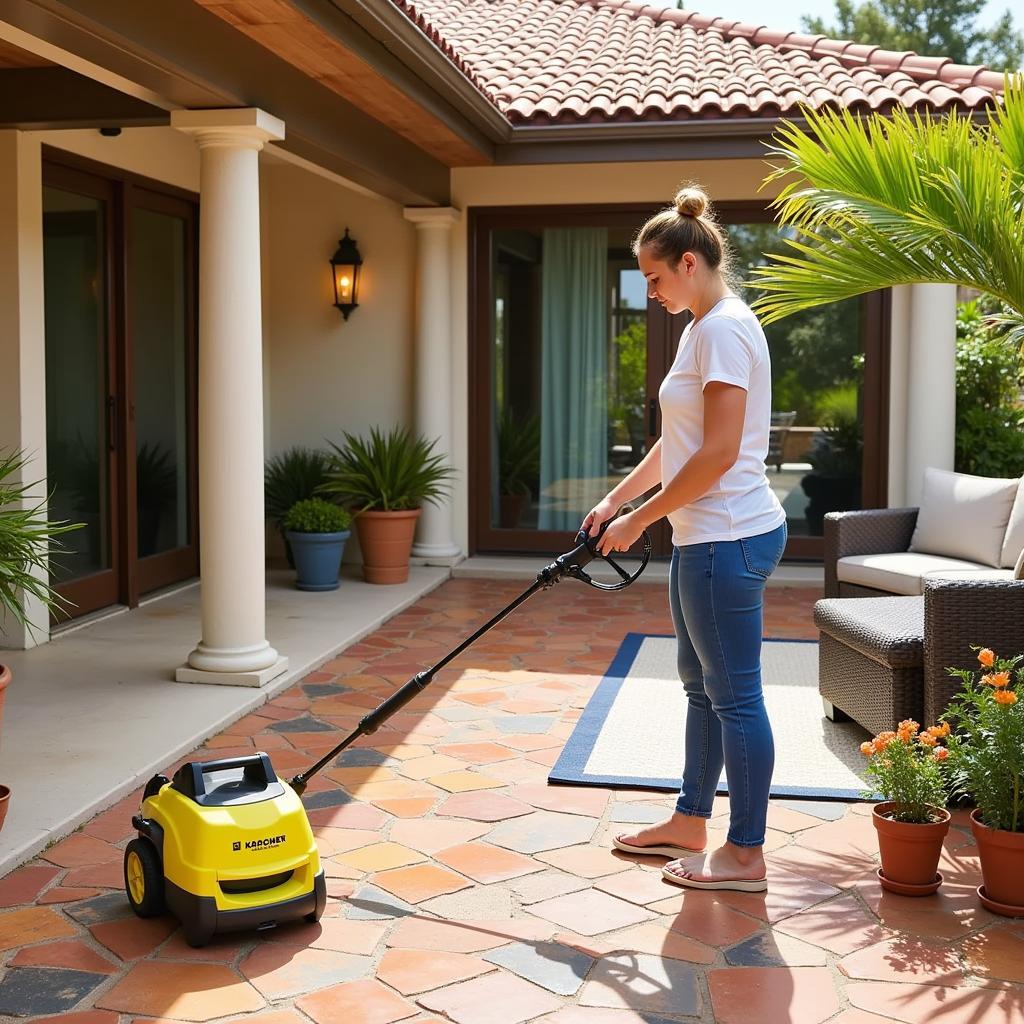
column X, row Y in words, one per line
column 433, row 385
column 931, row 383
column 899, row 353
column 233, row 648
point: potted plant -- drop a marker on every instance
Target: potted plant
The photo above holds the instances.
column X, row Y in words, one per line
column 292, row 476
column 156, row 484
column 912, row 820
column 386, row 479
column 26, row 540
column 833, row 485
column 317, row 531
column 518, row 465
column 986, row 761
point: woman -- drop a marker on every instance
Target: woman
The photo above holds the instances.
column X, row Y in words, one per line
column 728, row 534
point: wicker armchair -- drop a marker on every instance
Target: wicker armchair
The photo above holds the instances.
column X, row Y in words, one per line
column 957, row 614
column 872, row 531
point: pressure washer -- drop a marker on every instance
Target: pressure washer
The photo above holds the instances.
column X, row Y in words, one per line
column 226, row 845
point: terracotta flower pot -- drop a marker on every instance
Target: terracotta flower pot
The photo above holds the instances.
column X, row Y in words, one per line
column 1002, row 867
column 5, row 793
column 5, row 799
column 386, row 542
column 910, row 852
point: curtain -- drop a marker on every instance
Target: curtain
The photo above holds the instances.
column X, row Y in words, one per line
column 574, row 356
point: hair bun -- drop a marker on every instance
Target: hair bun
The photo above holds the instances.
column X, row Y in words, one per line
column 690, row 202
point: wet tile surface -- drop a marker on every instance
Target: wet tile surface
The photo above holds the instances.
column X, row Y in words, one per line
column 505, row 904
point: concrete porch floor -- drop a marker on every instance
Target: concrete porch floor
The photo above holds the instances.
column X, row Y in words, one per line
column 95, row 712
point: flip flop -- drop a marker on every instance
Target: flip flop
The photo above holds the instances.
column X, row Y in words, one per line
column 673, row 852
column 733, row 884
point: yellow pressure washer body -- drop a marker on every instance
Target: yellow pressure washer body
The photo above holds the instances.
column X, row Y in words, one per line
column 224, row 846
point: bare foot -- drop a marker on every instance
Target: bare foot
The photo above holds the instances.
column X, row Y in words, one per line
column 679, row 830
column 727, row 863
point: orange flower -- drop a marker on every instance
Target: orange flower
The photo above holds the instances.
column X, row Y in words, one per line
column 940, row 753
column 986, row 657
column 907, row 730
column 998, row 678
column 944, row 729
column 1005, row 697
column 867, row 748
column 926, row 739
column 882, row 740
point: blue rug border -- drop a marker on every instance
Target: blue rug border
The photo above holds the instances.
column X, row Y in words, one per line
column 569, row 768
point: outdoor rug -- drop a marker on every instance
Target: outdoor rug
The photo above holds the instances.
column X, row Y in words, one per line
column 631, row 731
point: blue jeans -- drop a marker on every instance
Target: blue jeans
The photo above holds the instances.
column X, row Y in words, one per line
column 717, row 597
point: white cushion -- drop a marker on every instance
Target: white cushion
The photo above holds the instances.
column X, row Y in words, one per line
column 977, row 576
column 1018, row 569
column 963, row 516
column 901, row 572
column 1013, row 542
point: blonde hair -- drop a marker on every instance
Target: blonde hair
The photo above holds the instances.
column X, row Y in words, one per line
column 685, row 226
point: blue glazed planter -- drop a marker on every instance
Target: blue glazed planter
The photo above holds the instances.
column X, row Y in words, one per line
column 317, row 558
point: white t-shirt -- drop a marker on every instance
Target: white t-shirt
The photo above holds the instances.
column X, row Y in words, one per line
column 726, row 344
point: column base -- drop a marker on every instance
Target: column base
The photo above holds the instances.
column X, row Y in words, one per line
column 188, row 674
column 437, row 554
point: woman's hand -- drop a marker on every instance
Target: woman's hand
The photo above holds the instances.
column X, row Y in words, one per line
column 621, row 534
column 604, row 510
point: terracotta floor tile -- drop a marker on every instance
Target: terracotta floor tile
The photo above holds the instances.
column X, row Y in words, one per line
column 403, row 751
column 353, row 815
column 62, row 894
column 415, row 884
column 932, row 1004
column 590, row 912
column 635, row 886
column 950, row 913
column 594, row 1015
column 497, row 998
column 787, row 894
column 996, row 953
column 23, row 885
column 475, row 753
column 570, row 799
column 133, row 937
column 594, row 861
column 465, row 936
column 221, row 949
column 279, row 970
column 356, row 1002
column 32, row 924
column 464, row 781
column 840, row 926
column 335, row 841
column 82, row 1017
column 654, row 938
column 485, row 863
column 785, row 820
column 188, row 992
column 708, row 921
column 397, row 789
column 431, row 835
column 435, row 764
column 906, row 959
column 414, row 807
column 801, row 995
column 483, row 807
column 80, row 850
column 843, row 869
column 411, row 971
column 640, row 981
column 380, row 857
column 354, row 779
column 71, row 955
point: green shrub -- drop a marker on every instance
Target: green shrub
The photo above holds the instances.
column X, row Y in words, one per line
column 290, row 477
column 314, row 515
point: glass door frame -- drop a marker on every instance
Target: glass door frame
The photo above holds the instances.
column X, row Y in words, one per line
column 133, row 577
column 663, row 336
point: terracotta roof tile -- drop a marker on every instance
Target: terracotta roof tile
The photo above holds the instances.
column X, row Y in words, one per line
column 571, row 61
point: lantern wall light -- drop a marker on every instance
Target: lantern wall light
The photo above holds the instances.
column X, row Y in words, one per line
column 346, row 264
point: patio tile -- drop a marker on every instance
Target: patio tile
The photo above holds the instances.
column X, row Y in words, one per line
column 645, row 983
column 483, row 807
column 395, row 789
column 221, row 949
column 774, row 949
column 544, row 885
column 465, row 782
column 279, row 969
column 80, row 850
column 541, row 831
column 326, row 799
column 133, row 937
column 475, row 753
column 595, row 1015
column 826, row 810
column 332, row 842
column 419, row 883
column 636, row 886
column 996, row 953
column 570, row 799
column 654, row 938
column 949, row 913
column 524, row 742
column 82, row 1017
column 785, row 819
column 787, row 894
column 62, row 894
column 403, row 751
column 711, row 922
column 340, row 934
column 742, row 994
column 840, row 926
column 189, row 992
column 464, row 936
column 933, row 1004
column 27, row 991
column 411, row 971
column 551, row 965
column 485, row 863
column 906, row 959
column 380, row 857
column 407, row 808
column 497, row 998
column 75, row 955
column 356, row 1002
column 356, row 777
column 431, row 835
column 843, row 869
column 369, row 903
column 435, row 764
column 637, row 814
column 590, row 912
column 23, row 885
column 593, row 861
column 32, row 924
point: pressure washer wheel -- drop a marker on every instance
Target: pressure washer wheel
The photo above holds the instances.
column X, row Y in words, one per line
column 144, row 878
